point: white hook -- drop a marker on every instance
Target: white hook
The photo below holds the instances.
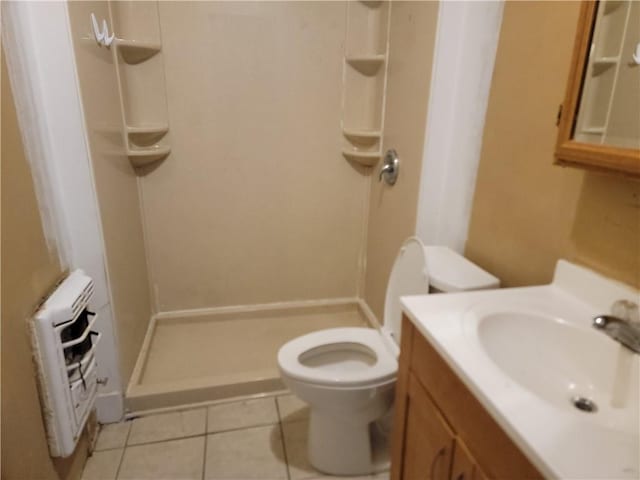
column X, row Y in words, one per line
column 636, row 54
column 107, row 40
column 96, row 30
column 102, row 36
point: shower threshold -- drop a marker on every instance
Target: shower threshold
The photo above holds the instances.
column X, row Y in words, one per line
column 216, row 354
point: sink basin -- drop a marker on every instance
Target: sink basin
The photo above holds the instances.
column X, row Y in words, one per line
column 564, row 392
column 561, row 363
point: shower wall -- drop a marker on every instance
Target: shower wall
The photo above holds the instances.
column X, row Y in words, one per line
column 255, row 203
column 116, row 184
column 392, row 210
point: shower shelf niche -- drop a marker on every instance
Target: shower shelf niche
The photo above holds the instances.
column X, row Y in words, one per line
column 362, row 137
column 365, row 158
column 141, row 158
column 365, row 78
column 135, row 51
column 366, row 64
column 139, row 61
column 144, row 136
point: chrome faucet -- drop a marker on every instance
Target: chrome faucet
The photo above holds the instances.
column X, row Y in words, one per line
column 623, row 325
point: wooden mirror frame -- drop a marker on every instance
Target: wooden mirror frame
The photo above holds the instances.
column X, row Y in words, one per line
column 579, row 154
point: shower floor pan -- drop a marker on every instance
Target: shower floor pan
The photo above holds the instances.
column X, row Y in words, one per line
column 225, row 353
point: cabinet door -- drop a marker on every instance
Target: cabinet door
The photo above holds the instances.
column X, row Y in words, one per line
column 464, row 466
column 428, row 442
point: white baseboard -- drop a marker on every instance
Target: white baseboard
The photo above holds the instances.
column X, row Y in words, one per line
column 110, row 407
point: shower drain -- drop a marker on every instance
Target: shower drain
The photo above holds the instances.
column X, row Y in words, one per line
column 584, row 404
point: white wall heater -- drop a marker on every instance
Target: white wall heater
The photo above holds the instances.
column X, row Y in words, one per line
column 64, row 345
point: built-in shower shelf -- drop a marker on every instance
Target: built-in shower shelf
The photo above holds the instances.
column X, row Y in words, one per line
column 147, row 134
column 140, row 158
column 135, row 51
column 148, row 129
column 362, row 137
column 368, row 159
column 366, row 64
column 375, row 3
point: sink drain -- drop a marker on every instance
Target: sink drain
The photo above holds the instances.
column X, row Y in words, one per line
column 584, row 404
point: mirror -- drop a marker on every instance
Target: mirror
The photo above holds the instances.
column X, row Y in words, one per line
column 600, row 120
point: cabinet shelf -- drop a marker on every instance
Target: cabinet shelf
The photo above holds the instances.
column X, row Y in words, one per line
column 593, row 130
column 366, row 64
column 368, row 159
column 606, row 60
column 140, row 158
column 135, row 51
column 362, row 137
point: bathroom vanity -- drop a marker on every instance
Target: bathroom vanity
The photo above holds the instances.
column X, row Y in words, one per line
column 441, row 422
column 516, row 383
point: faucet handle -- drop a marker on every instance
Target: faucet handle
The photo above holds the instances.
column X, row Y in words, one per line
column 626, row 310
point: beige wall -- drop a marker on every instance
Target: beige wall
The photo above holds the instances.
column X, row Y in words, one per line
column 392, row 210
column 528, row 213
column 116, row 185
column 255, row 203
column 29, row 272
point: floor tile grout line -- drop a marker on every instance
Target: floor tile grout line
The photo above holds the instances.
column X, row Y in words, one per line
column 258, row 425
column 167, row 440
column 284, row 444
column 195, row 435
column 124, row 449
column 206, row 435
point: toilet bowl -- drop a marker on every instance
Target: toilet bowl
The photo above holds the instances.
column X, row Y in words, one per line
column 347, row 375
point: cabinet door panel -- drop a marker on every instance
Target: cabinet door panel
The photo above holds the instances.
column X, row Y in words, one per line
column 464, row 467
column 428, row 446
column 492, row 447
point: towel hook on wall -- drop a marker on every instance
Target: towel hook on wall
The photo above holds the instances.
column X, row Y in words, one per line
column 102, row 36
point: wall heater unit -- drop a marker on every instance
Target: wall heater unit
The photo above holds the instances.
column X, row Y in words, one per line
column 64, row 345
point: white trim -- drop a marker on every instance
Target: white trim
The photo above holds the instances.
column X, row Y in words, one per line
column 110, row 407
column 465, row 51
column 37, row 36
column 24, row 76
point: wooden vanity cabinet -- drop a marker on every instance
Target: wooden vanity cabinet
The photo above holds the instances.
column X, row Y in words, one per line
column 429, row 442
column 442, row 432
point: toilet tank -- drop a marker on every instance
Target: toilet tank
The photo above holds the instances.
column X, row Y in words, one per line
column 451, row 272
column 420, row 269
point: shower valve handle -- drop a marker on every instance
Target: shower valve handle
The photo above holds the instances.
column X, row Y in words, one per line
column 390, row 168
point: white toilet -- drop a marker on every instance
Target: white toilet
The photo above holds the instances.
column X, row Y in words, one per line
column 347, row 375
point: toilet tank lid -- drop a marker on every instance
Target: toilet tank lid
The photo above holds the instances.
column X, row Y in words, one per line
column 451, row 272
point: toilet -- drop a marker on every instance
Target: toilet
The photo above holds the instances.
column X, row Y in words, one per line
column 347, row 375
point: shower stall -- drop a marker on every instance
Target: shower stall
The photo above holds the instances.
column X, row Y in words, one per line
column 235, row 150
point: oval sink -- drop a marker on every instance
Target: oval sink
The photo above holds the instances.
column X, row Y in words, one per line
column 567, row 365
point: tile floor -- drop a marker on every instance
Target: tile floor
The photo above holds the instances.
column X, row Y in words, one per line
column 252, row 439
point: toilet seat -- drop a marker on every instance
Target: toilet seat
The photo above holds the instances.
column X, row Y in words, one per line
column 339, row 339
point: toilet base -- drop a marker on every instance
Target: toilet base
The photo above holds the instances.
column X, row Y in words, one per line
column 338, row 446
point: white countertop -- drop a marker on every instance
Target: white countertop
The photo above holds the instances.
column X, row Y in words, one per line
column 561, row 441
